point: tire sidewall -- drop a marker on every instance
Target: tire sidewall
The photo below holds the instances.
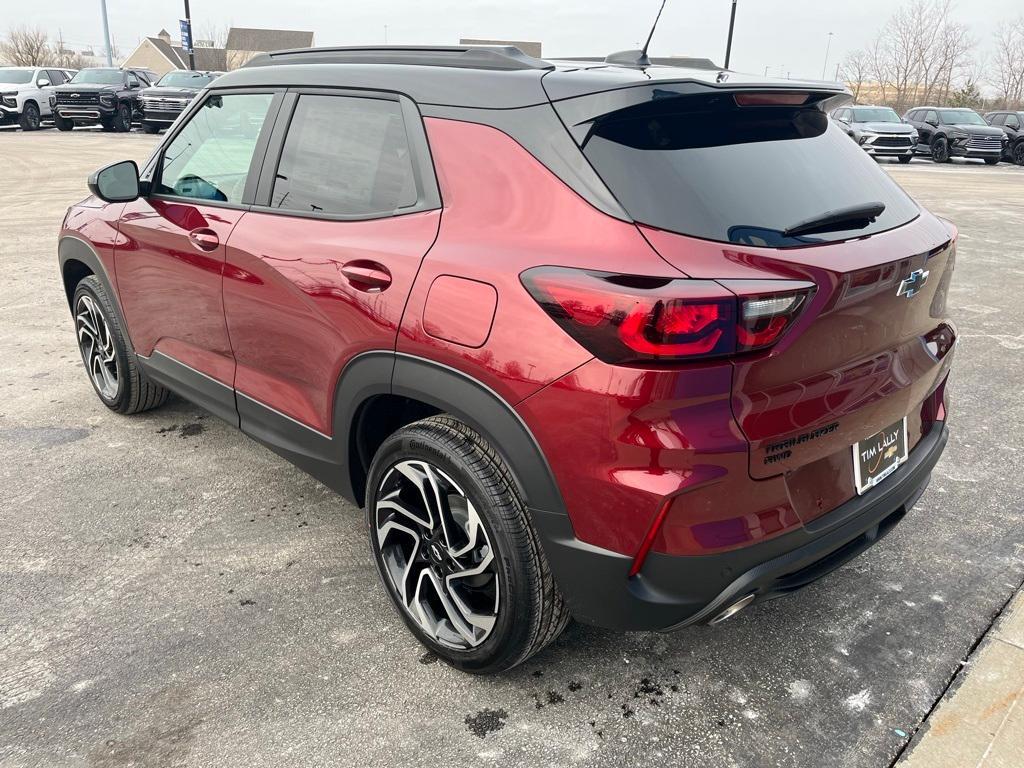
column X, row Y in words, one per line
column 513, row 622
column 940, row 151
column 26, row 123
column 93, row 288
column 123, row 118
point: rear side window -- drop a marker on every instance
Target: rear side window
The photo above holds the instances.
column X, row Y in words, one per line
column 345, row 156
column 705, row 167
column 209, row 158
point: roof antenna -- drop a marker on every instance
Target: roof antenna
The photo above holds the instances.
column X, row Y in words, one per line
column 636, row 58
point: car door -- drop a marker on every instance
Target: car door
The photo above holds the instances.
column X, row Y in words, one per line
column 320, row 269
column 170, row 260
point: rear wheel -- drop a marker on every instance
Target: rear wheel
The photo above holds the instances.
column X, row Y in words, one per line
column 29, row 120
column 63, row 123
column 456, row 552
column 940, row 150
column 117, row 379
column 150, row 128
column 905, row 159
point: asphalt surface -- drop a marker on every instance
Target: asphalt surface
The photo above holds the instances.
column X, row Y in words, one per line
column 171, row 593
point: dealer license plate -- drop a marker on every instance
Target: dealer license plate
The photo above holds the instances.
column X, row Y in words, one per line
column 877, row 457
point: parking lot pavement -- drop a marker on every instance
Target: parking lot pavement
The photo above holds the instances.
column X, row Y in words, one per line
column 171, row 593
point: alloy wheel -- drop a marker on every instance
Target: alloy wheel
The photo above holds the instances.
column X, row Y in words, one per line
column 436, row 555
column 1018, row 153
column 32, row 120
column 940, row 153
column 97, row 346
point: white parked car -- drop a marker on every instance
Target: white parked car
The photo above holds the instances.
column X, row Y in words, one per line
column 25, row 96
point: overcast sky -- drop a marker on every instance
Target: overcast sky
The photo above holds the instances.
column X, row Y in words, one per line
column 783, row 35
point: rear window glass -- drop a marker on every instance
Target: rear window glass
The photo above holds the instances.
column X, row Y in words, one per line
column 704, row 167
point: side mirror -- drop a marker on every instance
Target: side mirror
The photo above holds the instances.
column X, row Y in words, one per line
column 933, row 123
column 116, row 183
column 42, row 82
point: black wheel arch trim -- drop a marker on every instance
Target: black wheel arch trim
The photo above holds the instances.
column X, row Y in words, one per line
column 450, row 391
column 73, row 248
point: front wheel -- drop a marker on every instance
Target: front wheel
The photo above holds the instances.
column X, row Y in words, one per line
column 1018, row 153
column 940, row 150
column 112, row 369
column 29, row 120
column 150, row 128
column 904, row 159
column 63, row 123
column 122, row 122
column 456, row 551
column 991, row 160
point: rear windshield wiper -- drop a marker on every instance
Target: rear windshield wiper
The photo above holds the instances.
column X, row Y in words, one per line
column 841, row 218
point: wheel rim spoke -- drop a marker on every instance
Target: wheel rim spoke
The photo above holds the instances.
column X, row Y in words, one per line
column 97, row 346
column 436, row 555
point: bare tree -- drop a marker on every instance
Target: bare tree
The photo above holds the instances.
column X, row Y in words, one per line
column 855, row 71
column 25, row 47
column 1008, row 64
column 63, row 57
column 215, row 34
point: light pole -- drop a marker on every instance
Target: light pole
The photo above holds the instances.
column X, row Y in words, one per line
column 828, row 47
column 191, row 42
column 106, row 32
column 728, row 44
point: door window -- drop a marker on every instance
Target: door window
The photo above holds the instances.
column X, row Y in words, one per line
column 345, row 156
column 1012, row 122
column 55, row 76
column 209, row 158
column 931, row 117
column 997, row 119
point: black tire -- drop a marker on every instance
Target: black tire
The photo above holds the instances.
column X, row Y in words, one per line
column 107, row 123
column 122, row 120
column 1018, row 152
column 530, row 612
column 905, row 159
column 940, row 150
column 63, row 123
column 30, row 120
column 150, row 128
column 134, row 392
column 991, row 161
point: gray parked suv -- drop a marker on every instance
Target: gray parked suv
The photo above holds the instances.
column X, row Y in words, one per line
column 25, row 94
column 879, row 131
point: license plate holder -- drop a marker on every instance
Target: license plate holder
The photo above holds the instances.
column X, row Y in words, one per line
column 878, row 456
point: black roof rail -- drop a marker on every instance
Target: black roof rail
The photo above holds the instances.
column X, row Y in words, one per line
column 498, row 57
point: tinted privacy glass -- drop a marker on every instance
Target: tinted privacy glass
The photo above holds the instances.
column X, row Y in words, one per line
column 209, row 159
column 707, row 168
column 345, row 156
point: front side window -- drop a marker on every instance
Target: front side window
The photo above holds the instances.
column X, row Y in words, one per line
column 209, row 158
column 1012, row 121
column 99, row 77
column 345, row 156
column 931, row 117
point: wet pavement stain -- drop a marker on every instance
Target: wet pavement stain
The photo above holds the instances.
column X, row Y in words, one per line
column 43, row 437
column 428, row 658
column 191, row 430
column 486, row 721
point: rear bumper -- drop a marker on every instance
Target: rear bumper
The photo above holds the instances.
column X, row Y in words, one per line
column 673, row 591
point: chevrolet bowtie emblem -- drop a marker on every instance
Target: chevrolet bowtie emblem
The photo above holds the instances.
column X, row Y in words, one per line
column 913, row 283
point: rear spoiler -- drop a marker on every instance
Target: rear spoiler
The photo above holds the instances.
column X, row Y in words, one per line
column 579, row 112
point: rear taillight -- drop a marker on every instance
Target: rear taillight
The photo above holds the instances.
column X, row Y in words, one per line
column 627, row 318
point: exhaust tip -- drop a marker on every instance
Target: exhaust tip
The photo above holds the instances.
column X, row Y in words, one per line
column 733, row 609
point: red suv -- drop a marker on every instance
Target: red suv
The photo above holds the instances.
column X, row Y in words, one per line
column 637, row 343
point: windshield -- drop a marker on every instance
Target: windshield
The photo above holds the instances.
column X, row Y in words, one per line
column 960, row 117
column 186, row 80
column 99, row 76
column 875, row 116
column 702, row 166
column 16, row 75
